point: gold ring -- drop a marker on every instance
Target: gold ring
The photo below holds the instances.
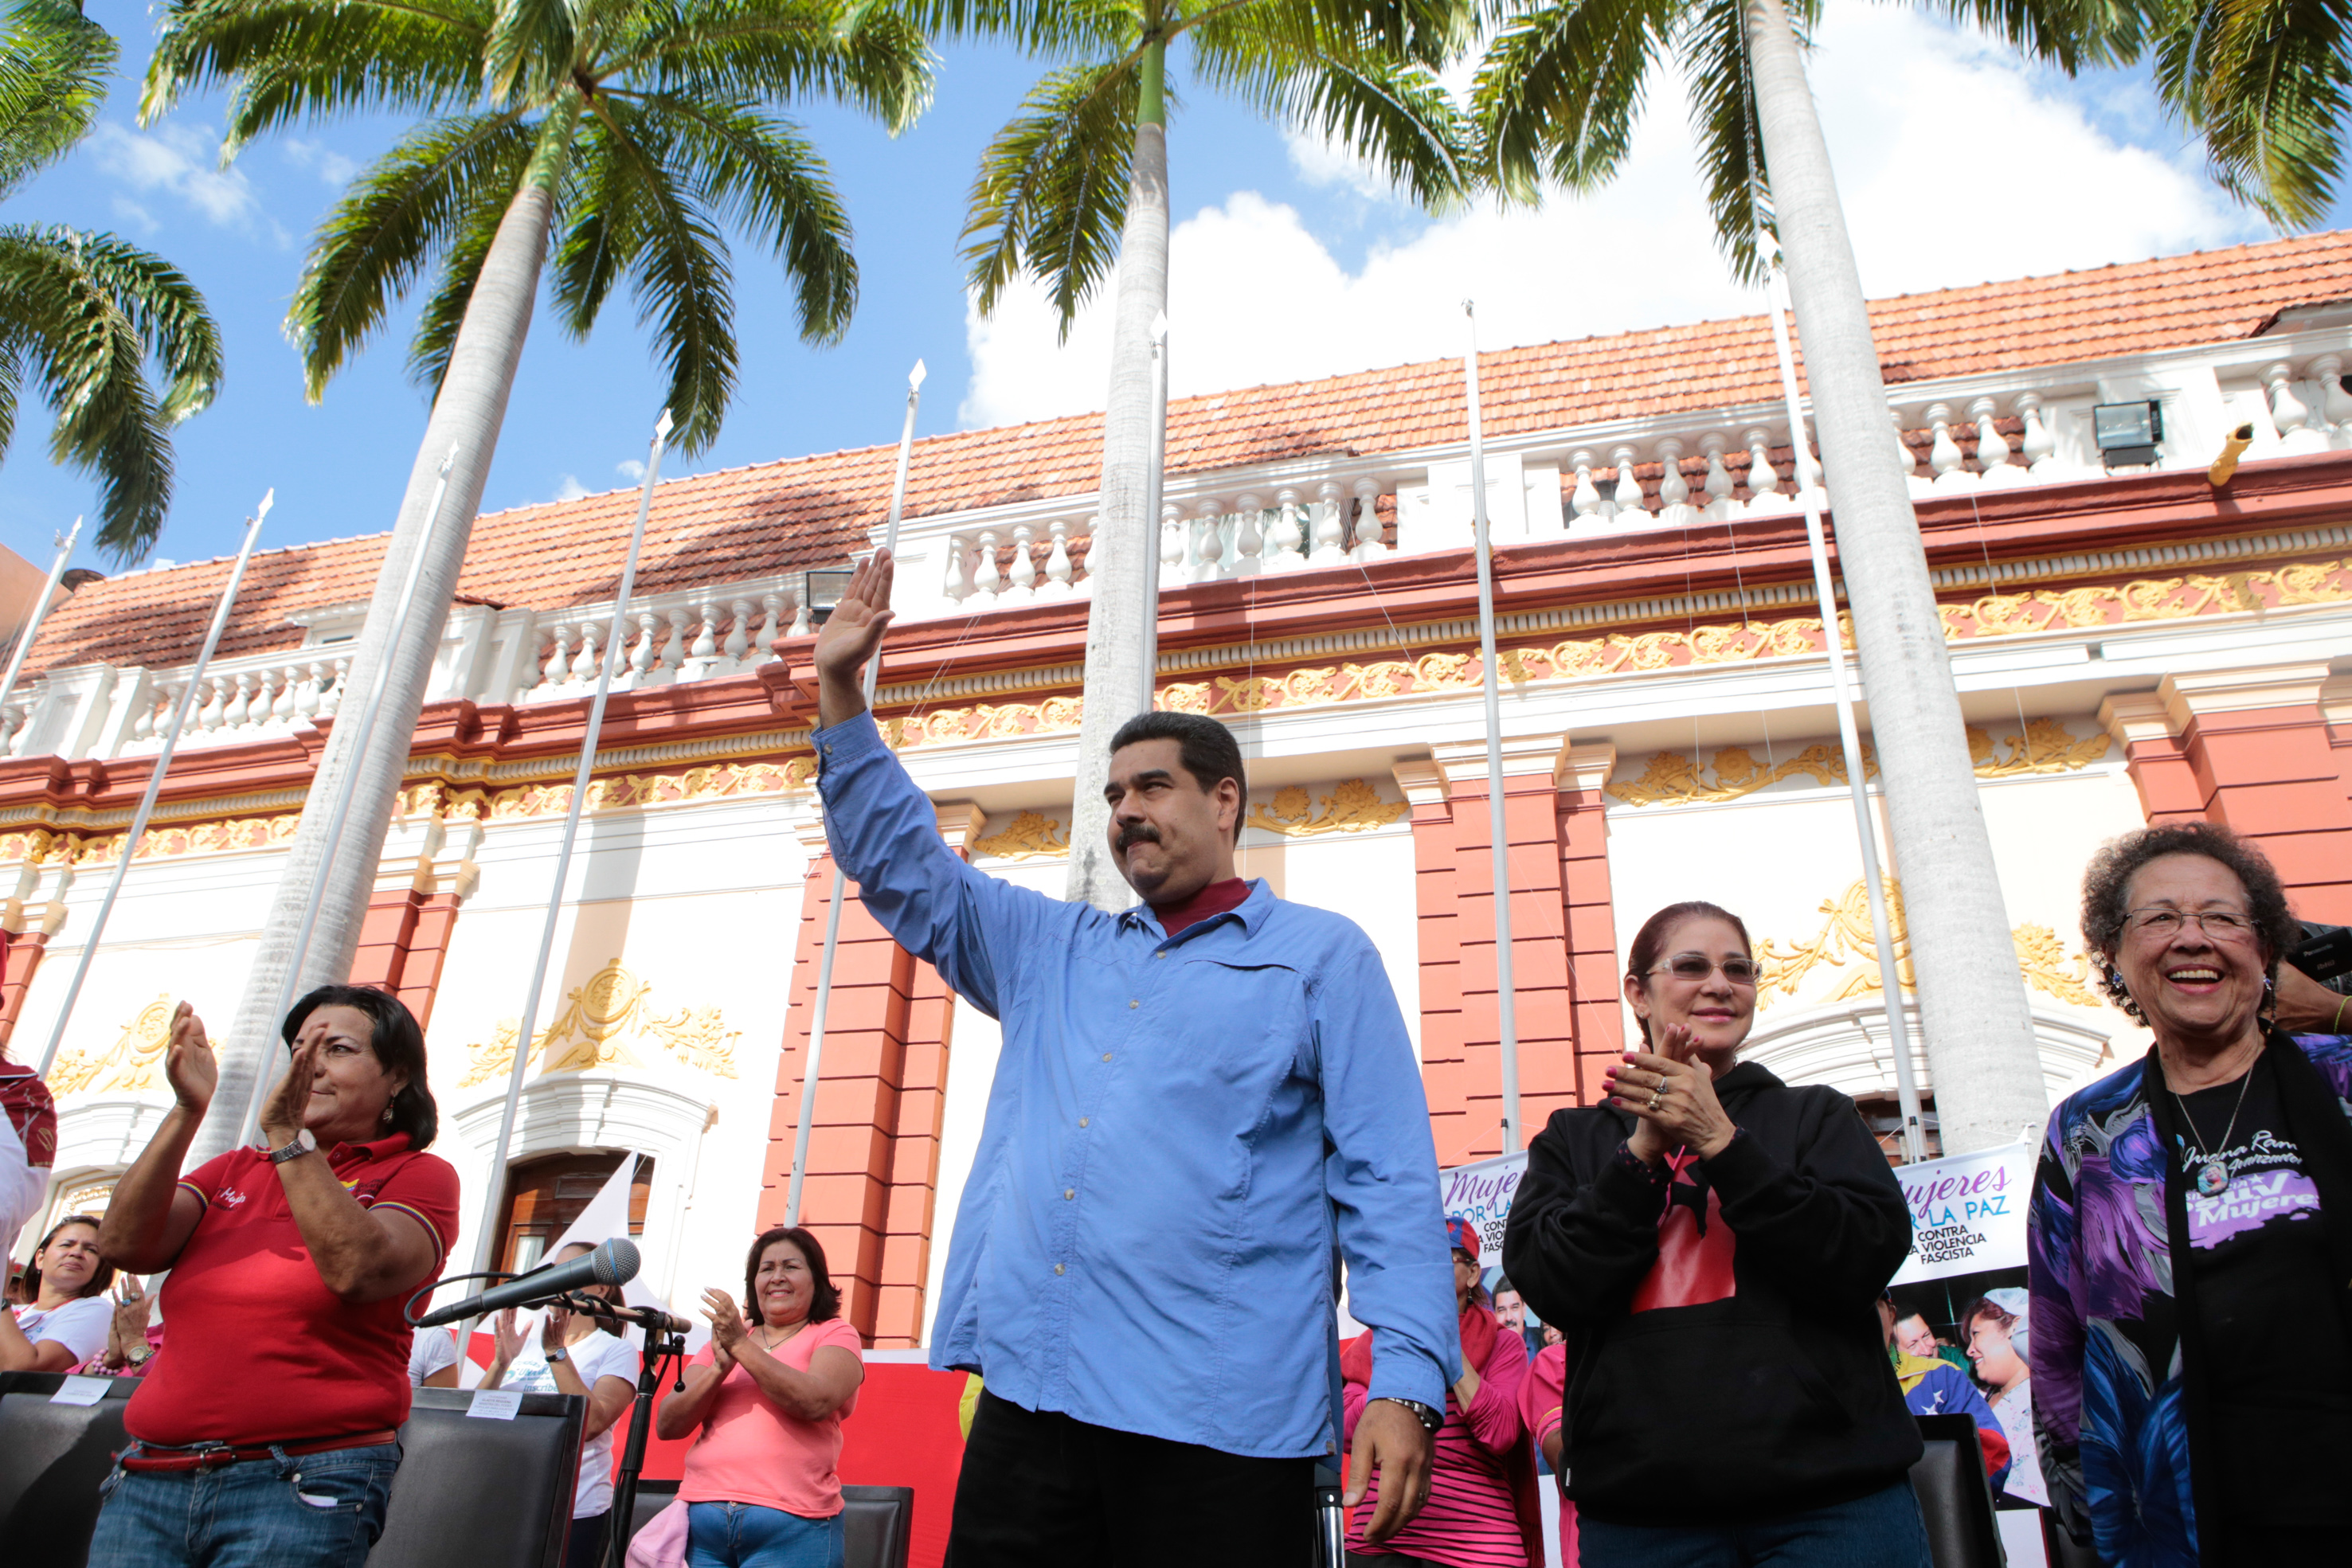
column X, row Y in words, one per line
column 1657, row 1097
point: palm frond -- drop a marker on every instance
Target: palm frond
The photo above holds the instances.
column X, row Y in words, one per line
column 1557, row 95
column 405, row 209
column 1053, row 28
column 88, row 358
column 874, row 60
column 443, row 310
column 1712, row 48
column 530, row 50
column 1051, row 194
column 53, row 70
column 286, row 61
column 167, row 313
column 2269, row 84
column 2068, row 34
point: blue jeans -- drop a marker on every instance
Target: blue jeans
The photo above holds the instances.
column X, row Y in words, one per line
column 306, row 1511
column 745, row 1535
column 1881, row 1531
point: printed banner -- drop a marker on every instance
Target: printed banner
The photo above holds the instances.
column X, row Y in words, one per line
column 1481, row 1194
column 1967, row 1213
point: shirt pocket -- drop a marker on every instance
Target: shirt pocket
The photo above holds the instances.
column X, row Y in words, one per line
column 1228, row 1024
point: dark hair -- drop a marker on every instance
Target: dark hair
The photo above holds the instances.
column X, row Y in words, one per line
column 2107, row 888
column 1206, row 748
column 1502, row 1282
column 97, row 1282
column 399, row 1047
column 1650, row 940
column 825, row 1304
column 1984, row 1307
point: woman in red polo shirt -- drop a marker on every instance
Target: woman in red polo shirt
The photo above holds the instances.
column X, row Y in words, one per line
column 270, row 1431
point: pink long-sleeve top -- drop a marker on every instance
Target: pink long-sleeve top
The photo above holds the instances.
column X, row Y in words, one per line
column 1543, row 1395
column 1469, row 1520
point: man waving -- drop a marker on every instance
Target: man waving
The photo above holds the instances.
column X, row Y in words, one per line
column 1195, row 1099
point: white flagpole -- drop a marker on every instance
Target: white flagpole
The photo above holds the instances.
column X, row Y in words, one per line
column 1898, row 1035
column 1506, row 1003
column 155, row 780
column 810, row 1077
column 1153, row 484
column 267, row 1080
column 494, row 1187
column 40, row 613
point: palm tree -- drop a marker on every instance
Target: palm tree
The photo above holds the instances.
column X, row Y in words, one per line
column 623, row 133
column 2269, row 84
column 85, row 312
column 1555, row 98
column 1077, row 183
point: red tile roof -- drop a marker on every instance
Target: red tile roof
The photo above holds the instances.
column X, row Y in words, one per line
column 804, row 511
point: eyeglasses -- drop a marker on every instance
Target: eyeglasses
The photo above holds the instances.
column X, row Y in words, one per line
column 1695, row 967
column 2220, row 924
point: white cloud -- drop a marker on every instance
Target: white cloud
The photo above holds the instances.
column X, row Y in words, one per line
column 137, row 216
column 1957, row 164
column 185, row 162
column 571, row 489
column 630, row 469
column 333, row 167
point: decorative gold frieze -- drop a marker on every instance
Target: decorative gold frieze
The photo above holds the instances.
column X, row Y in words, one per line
column 628, row 790
column 1352, row 807
column 590, row 1033
column 132, row 1064
column 1845, row 938
column 2046, row 747
column 1670, row 778
column 1031, row 837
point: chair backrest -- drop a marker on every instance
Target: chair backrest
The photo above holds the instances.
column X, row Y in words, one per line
column 1954, row 1497
column 467, row 1490
column 878, row 1522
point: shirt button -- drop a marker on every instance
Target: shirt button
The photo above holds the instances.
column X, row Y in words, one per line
column 1106, row 1056
column 1136, row 1003
column 1069, row 1192
column 1057, row 1268
column 1084, row 1119
column 1160, row 955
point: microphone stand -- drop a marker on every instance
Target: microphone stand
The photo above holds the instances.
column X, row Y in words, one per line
column 665, row 1341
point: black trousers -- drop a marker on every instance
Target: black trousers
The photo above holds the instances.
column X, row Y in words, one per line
column 1040, row 1490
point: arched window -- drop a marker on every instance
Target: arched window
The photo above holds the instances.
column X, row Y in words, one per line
column 546, row 1195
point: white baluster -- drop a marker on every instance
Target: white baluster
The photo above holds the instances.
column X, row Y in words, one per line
column 772, row 626
column 237, row 713
column 1288, row 535
column 281, row 705
column 590, row 658
column 1249, row 537
column 705, row 651
column 1763, row 479
column 2335, row 402
column 985, row 580
column 1057, row 555
column 803, row 623
column 1021, row 582
column 739, row 630
column 1994, row 468
column 673, row 656
column 311, row 692
column 1086, row 584
column 143, row 726
column 330, row 700
column 1945, row 454
column 1585, row 501
column 641, row 653
column 1628, row 496
column 957, row 587
column 1673, row 490
column 1720, row 504
column 1330, row 526
column 559, row 659
column 1205, row 544
column 1367, row 520
column 2289, row 413
column 16, row 723
column 1913, row 479
column 2037, row 445
column 208, row 716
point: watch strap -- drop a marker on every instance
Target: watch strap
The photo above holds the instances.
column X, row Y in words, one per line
column 558, row 1353
column 1431, row 1418
column 302, row 1143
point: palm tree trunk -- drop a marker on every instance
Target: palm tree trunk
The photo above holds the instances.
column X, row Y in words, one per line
column 1115, row 561
column 1973, row 1012
column 465, row 416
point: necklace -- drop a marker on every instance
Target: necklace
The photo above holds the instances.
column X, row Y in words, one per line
column 2212, row 1176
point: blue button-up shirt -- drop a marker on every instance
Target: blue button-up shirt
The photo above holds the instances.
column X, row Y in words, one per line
column 1180, row 1128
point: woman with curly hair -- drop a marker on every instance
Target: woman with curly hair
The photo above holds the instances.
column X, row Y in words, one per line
column 2190, row 1357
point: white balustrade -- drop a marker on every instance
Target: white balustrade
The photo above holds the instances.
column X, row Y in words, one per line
column 1288, row 536
column 1627, row 497
column 1585, row 500
column 1368, row 545
column 1021, row 582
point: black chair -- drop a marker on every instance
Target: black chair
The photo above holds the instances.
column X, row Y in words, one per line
column 878, row 1522
column 1955, row 1498
column 467, row 1490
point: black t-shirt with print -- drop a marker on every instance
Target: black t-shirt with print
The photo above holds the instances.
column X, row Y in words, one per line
column 2278, row 1360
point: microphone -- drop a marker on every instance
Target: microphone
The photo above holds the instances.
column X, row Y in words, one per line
column 605, row 1311
column 614, row 1263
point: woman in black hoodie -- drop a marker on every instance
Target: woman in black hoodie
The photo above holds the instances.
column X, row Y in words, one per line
column 1713, row 1242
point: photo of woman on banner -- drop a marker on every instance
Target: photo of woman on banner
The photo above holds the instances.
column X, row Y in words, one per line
column 1996, row 1324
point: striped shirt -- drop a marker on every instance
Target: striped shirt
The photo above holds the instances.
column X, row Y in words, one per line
column 1469, row 1520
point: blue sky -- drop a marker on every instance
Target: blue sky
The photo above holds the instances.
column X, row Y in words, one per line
column 1957, row 165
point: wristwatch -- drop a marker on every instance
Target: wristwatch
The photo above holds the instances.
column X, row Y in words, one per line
column 1430, row 1419
column 558, row 1353
column 303, row 1143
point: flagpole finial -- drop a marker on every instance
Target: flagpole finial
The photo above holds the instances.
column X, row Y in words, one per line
column 1159, row 326
column 448, row 460
column 65, row 540
column 1469, row 307
column 268, row 500
column 662, row 426
column 915, row 377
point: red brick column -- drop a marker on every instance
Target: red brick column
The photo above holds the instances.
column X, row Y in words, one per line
column 2159, row 769
column 1443, row 1074
column 404, row 941
column 874, row 1139
column 1544, row 1010
column 23, row 957
column 2261, row 755
column 1597, row 1013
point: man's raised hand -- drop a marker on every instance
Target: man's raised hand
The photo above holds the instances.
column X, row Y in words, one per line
column 851, row 636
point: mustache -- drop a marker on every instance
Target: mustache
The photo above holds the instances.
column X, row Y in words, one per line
column 1137, row 834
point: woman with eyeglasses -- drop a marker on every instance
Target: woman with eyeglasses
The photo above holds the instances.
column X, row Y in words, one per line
column 2191, row 1352
column 1714, row 1242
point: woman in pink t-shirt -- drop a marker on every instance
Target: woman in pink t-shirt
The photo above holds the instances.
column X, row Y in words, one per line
column 760, row 1487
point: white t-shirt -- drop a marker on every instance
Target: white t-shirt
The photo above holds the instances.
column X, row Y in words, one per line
column 22, row 1188
column 598, row 1355
column 429, row 1350
column 79, row 1325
